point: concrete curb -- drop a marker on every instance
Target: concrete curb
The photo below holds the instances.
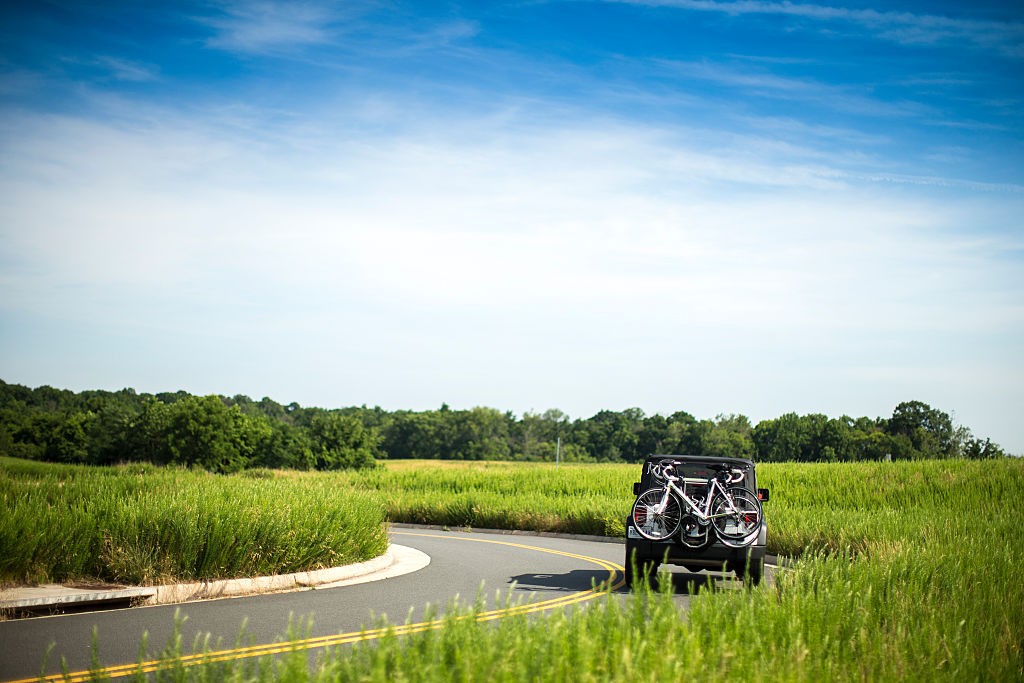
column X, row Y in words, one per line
column 398, row 560
column 57, row 595
column 207, row 590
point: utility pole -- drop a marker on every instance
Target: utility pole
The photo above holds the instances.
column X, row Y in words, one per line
column 558, row 451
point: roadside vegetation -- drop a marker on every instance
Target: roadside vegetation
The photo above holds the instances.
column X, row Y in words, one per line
column 142, row 525
column 575, row 498
column 859, row 508
column 904, row 570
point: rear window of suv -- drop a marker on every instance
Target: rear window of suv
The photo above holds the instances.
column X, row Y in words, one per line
column 697, row 470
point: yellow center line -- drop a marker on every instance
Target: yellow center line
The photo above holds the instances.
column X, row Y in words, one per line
column 613, row 582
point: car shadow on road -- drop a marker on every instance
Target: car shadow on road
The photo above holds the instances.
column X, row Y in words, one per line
column 571, row 582
column 683, row 582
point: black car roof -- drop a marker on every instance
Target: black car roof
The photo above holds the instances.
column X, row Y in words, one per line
column 702, row 459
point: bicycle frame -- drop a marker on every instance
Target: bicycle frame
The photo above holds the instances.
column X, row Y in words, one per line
column 713, row 484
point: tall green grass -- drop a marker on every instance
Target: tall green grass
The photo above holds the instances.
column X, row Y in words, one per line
column 847, row 507
column 143, row 525
column 908, row 571
column 878, row 509
column 831, row 619
column 582, row 499
column 860, row 508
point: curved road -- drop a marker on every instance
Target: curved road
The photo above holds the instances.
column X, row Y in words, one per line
column 535, row 573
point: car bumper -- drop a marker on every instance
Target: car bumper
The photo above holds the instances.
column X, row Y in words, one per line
column 714, row 556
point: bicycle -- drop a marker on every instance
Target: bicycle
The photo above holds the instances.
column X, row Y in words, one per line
column 733, row 511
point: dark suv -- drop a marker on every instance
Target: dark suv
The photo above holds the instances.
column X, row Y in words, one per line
column 643, row 556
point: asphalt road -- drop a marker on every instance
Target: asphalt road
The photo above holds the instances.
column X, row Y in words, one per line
column 537, row 573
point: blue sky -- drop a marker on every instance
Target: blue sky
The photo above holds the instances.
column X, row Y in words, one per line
column 720, row 207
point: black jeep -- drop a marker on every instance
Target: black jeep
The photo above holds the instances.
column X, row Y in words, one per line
column 694, row 546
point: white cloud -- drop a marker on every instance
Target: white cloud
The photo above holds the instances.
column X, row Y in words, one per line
column 577, row 217
column 273, row 27
column 585, row 264
column 758, row 83
column 266, row 25
column 127, row 70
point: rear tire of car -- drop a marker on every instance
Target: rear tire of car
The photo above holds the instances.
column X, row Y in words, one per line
column 752, row 572
column 640, row 570
column 649, row 573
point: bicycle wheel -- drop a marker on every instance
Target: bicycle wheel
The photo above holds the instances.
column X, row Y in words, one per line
column 656, row 514
column 736, row 516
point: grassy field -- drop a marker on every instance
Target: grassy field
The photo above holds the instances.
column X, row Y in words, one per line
column 143, row 525
column 907, row 571
column 582, row 499
column 858, row 508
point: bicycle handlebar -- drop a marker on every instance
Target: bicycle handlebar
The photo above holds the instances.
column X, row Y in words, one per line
column 664, row 471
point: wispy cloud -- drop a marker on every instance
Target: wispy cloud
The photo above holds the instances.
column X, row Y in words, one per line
column 522, row 217
column 270, row 26
column 1004, row 37
column 276, row 27
column 126, row 70
column 854, row 99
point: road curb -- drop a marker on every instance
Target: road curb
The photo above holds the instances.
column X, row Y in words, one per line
column 397, row 560
column 58, row 595
column 207, row 590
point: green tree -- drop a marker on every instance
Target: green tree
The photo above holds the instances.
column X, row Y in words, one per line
column 68, row 437
column 683, row 435
column 481, row 434
column 416, row 435
column 203, row 431
column 929, row 431
column 535, row 436
column 111, row 433
column 19, row 435
column 287, row 447
column 147, row 438
column 730, row 436
column 611, row 436
column 978, row 449
column 871, row 445
column 341, row 442
column 781, row 439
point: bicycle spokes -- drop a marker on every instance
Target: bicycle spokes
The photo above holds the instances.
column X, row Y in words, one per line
column 736, row 516
column 656, row 514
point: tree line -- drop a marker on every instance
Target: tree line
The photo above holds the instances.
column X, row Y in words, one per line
column 223, row 434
